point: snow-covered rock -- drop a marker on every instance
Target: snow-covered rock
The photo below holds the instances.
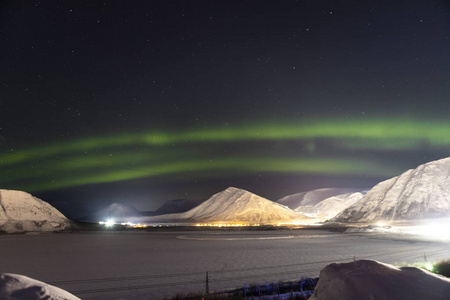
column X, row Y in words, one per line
column 306, row 200
column 235, row 205
column 19, row 287
column 366, row 279
column 119, row 212
column 416, row 194
column 21, row 212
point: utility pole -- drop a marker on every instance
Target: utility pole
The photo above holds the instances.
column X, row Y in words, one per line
column 207, row 283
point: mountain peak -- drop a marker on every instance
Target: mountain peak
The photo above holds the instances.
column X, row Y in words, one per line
column 418, row 193
column 20, row 212
column 236, row 205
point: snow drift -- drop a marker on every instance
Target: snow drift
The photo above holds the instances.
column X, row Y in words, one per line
column 19, row 287
column 367, row 279
column 21, row 212
column 416, row 194
column 234, row 205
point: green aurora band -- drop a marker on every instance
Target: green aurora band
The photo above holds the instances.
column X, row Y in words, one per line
column 131, row 155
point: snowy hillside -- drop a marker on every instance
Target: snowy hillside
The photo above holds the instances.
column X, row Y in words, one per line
column 20, row 212
column 235, row 205
column 368, row 279
column 303, row 201
column 330, row 207
column 416, row 194
column 117, row 211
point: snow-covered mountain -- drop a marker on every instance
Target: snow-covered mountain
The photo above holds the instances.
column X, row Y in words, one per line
column 234, row 205
column 306, row 200
column 330, row 207
column 416, row 194
column 21, row 212
column 119, row 212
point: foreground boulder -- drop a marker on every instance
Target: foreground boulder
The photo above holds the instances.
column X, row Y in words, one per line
column 21, row 212
column 19, row 287
column 367, row 279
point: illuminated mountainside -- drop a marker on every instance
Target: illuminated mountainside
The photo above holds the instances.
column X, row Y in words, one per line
column 420, row 193
column 330, row 207
column 305, row 200
column 20, row 212
column 117, row 211
column 235, row 205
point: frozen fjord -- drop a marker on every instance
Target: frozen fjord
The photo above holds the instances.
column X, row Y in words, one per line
column 152, row 265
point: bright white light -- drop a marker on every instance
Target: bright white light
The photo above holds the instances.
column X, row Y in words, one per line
column 127, row 224
column 429, row 267
column 429, row 229
column 109, row 223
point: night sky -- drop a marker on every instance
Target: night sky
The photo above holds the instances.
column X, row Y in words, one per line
column 141, row 102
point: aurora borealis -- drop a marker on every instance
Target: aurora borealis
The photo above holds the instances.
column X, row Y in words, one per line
column 147, row 102
column 127, row 156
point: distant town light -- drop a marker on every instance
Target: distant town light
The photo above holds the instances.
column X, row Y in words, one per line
column 109, row 223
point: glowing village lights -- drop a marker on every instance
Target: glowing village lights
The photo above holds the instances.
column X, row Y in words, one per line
column 107, row 223
column 139, row 226
column 110, row 223
column 223, row 225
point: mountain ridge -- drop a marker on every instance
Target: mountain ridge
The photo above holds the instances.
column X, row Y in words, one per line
column 314, row 197
column 423, row 192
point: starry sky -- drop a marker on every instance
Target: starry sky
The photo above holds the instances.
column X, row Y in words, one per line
column 141, row 102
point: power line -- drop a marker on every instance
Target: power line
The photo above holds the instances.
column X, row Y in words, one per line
column 112, row 279
column 136, row 287
column 202, row 280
